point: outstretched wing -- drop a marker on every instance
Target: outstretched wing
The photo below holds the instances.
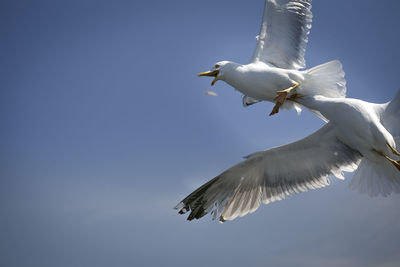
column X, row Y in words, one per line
column 270, row 175
column 284, row 33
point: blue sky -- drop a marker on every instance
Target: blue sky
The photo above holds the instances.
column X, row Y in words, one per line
column 105, row 127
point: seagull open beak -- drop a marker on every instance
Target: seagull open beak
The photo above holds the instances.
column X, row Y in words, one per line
column 212, row 73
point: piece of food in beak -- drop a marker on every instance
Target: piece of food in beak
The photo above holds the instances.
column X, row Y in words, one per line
column 212, row 73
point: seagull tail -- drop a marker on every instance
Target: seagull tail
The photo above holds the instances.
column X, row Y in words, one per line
column 382, row 177
column 326, row 79
column 376, row 178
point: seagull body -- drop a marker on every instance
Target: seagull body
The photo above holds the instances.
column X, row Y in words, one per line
column 258, row 80
column 274, row 70
column 371, row 129
column 358, row 136
column 358, row 123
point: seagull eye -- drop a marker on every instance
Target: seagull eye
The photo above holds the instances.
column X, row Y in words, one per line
column 217, row 66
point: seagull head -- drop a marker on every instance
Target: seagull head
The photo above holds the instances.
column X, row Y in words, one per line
column 218, row 71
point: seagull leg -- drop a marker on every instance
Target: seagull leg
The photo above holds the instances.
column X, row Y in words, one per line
column 394, row 150
column 281, row 97
column 396, row 163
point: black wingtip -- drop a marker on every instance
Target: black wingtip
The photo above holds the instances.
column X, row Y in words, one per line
column 197, row 213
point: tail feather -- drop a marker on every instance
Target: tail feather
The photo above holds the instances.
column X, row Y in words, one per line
column 326, row 79
column 377, row 178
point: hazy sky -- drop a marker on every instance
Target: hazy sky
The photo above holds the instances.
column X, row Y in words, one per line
column 105, row 127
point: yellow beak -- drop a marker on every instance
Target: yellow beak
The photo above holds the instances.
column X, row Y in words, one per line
column 212, row 73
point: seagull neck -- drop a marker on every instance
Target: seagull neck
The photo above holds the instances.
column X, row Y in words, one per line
column 229, row 70
column 232, row 74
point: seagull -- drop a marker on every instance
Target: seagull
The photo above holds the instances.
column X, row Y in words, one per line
column 273, row 73
column 371, row 129
column 358, row 137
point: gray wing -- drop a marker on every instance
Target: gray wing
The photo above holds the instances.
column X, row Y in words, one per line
column 284, row 33
column 270, row 175
column 248, row 101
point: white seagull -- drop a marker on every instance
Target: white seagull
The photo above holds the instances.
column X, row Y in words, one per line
column 371, row 129
column 358, row 134
column 273, row 71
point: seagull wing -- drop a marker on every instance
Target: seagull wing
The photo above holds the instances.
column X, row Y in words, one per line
column 284, row 33
column 391, row 116
column 270, row 175
column 248, row 101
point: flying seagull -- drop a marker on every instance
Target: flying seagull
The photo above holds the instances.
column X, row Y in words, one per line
column 371, row 129
column 273, row 72
column 358, row 136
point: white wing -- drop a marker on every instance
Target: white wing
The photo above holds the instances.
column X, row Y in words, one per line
column 270, row 175
column 391, row 116
column 284, row 33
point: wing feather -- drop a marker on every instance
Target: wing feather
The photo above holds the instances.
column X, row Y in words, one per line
column 271, row 175
column 391, row 115
column 284, row 33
